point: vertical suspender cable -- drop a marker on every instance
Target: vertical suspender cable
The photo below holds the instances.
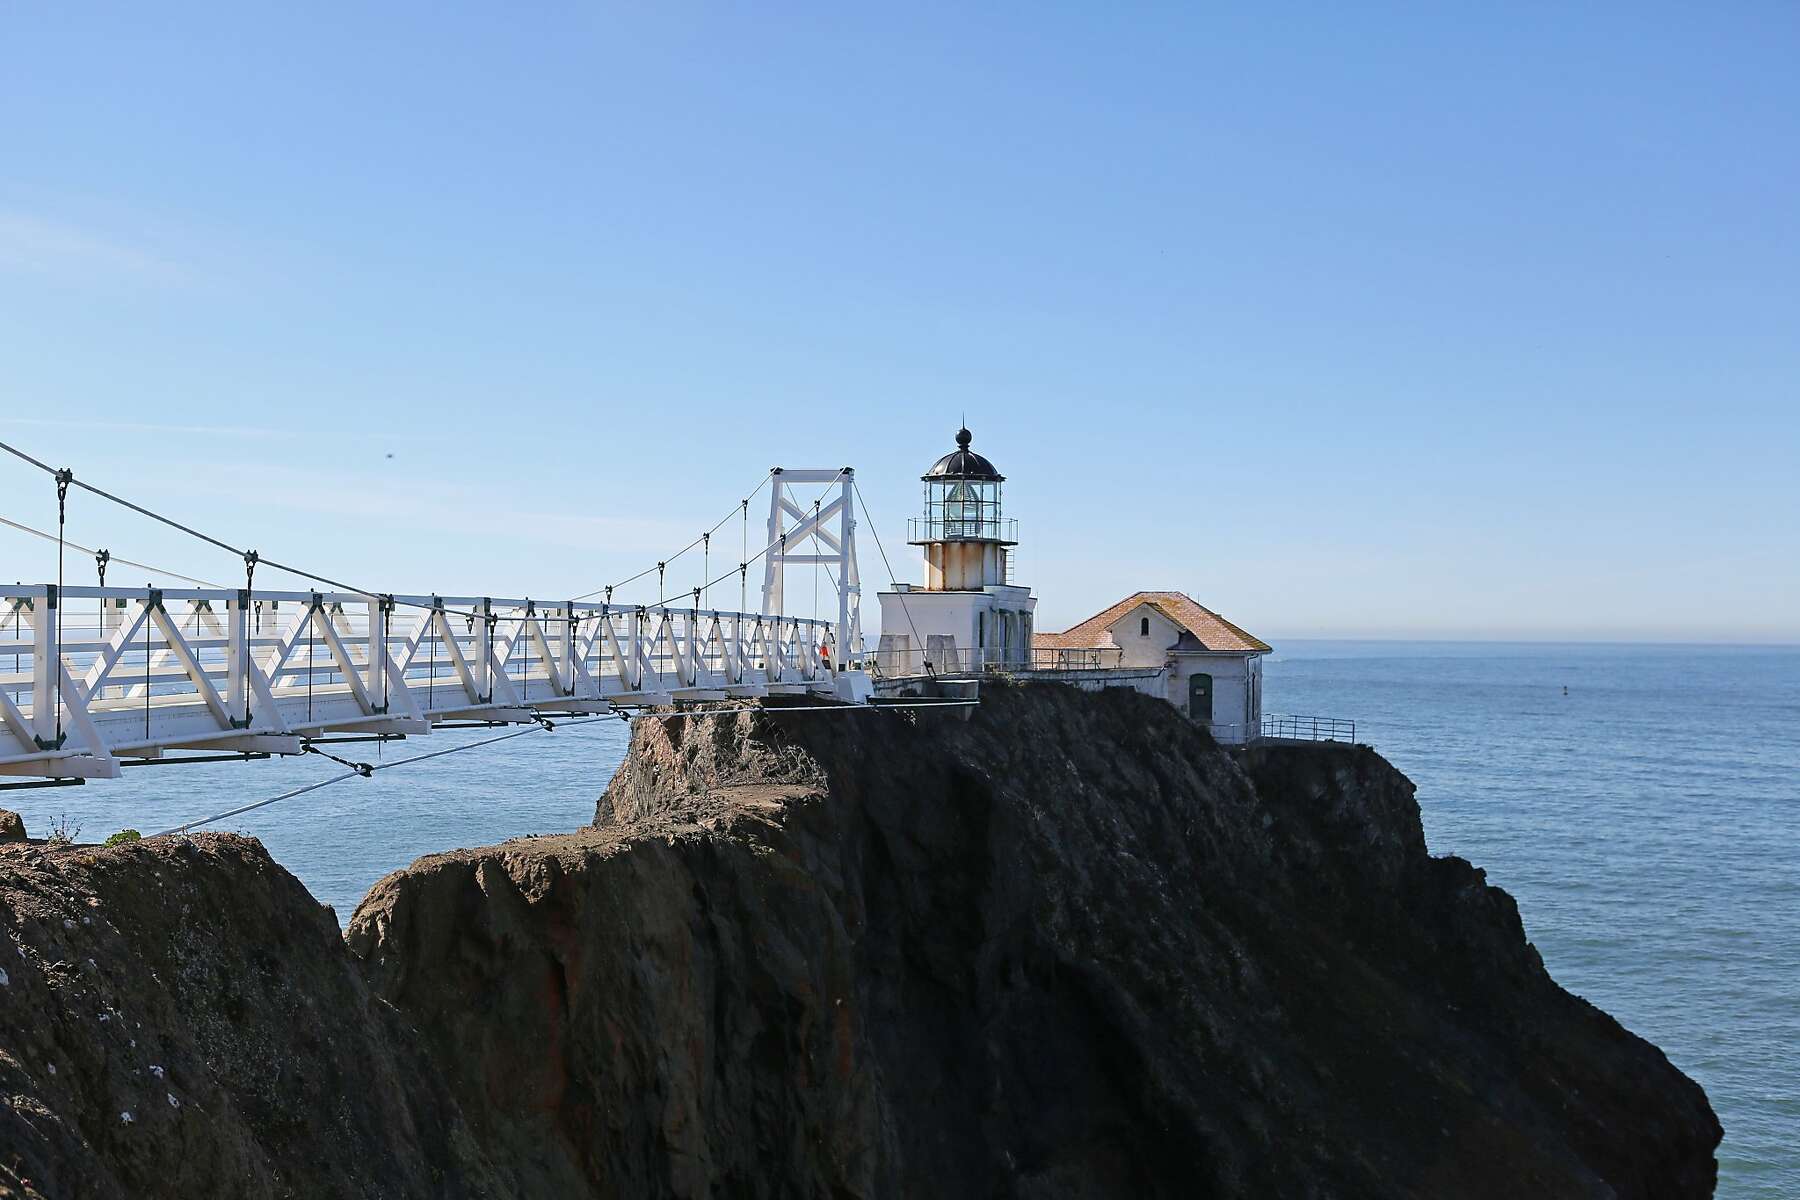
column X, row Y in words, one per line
column 101, row 558
column 311, row 617
column 431, row 679
column 876, row 531
column 63, row 478
column 574, row 644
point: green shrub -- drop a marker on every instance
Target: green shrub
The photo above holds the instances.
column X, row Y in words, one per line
column 123, row 836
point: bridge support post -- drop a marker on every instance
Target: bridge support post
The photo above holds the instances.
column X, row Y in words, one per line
column 484, row 657
column 46, row 656
column 375, row 668
column 237, row 657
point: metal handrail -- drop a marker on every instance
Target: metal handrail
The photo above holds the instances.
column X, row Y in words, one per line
column 979, row 528
column 1074, row 658
column 901, row 664
column 1293, row 728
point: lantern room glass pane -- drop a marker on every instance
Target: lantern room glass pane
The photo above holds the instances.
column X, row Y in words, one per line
column 962, row 503
column 962, row 508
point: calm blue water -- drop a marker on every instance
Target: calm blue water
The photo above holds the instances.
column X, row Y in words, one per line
column 1646, row 822
column 341, row 839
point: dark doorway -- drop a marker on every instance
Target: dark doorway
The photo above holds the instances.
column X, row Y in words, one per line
column 1200, row 697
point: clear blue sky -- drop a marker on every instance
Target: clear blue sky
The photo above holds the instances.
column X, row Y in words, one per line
column 1430, row 321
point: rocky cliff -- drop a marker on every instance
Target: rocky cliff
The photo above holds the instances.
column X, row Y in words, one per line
column 180, row 1019
column 1065, row 948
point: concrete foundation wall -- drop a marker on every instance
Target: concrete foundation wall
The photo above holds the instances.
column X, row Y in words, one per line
column 1149, row 681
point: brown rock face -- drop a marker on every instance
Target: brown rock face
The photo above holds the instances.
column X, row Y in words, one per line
column 12, row 826
column 180, row 1019
column 1069, row 948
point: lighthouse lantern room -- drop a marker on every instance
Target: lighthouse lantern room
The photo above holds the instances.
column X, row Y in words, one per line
column 965, row 538
column 968, row 614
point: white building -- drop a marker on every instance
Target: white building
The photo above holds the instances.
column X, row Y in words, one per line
column 968, row 615
column 1201, row 663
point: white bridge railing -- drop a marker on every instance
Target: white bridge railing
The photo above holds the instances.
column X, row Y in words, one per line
column 93, row 676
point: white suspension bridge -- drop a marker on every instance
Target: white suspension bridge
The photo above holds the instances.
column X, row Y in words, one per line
column 93, row 679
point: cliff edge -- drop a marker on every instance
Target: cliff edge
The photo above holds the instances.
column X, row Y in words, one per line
column 1066, row 948
column 179, row 1018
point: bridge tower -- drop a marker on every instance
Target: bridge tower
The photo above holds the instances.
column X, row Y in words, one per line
column 823, row 534
column 968, row 615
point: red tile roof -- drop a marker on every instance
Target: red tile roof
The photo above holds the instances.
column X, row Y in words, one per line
column 1209, row 628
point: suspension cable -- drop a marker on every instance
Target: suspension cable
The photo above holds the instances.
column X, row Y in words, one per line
column 356, row 770
column 155, row 516
column 777, row 710
column 702, row 540
column 109, row 557
column 778, row 543
column 339, row 585
column 336, row 584
column 363, row 770
column 890, row 570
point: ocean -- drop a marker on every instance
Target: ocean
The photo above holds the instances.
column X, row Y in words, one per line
column 1647, row 822
column 1645, row 819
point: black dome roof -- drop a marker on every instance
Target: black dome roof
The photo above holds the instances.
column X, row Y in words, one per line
column 963, row 463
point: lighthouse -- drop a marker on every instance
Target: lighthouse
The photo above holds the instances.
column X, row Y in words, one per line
column 968, row 615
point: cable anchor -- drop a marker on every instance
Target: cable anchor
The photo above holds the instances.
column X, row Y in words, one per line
column 366, row 770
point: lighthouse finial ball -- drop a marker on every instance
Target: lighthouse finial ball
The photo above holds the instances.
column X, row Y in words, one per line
column 964, row 437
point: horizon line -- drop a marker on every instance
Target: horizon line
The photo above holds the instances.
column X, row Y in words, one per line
column 1513, row 640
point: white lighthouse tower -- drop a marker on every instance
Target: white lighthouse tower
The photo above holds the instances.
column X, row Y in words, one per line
column 968, row 615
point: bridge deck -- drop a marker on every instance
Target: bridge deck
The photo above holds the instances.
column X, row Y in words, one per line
column 91, row 676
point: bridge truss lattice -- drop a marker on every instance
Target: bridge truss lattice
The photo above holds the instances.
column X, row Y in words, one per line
column 96, row 678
